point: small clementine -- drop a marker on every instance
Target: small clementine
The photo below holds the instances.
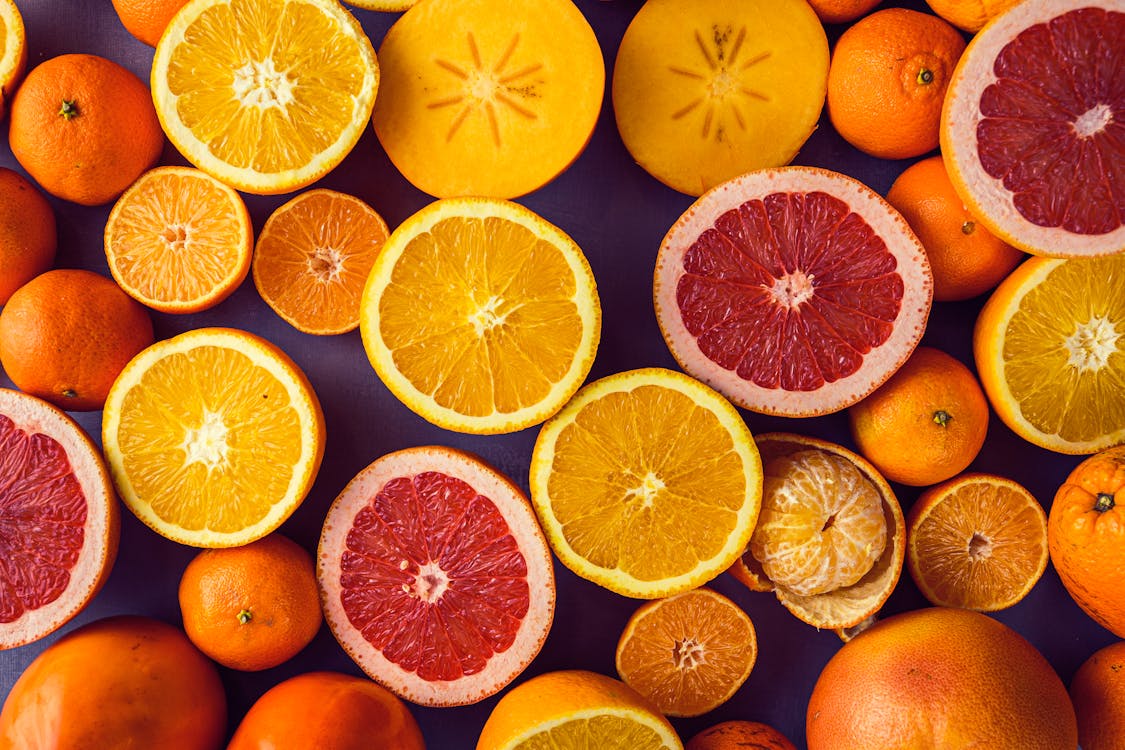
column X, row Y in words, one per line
column 27, row 233
column 1098, row 694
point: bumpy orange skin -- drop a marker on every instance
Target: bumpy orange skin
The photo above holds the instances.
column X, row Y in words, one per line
column 117, row 683
column 1086, row 537
column 27, row 233
column 941, row 678
column 147, row 19
column 1098, row 693
column 327, row 711
column 740, row 735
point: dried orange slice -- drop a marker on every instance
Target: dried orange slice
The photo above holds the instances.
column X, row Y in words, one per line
column 178, row 240
column 213, row 437
column 647, row 483
column 265, row 95
column 977, row 541
column 509, row 319
column 313, row 257
column 688, row 653
column 13, row 52
column 488, row 97
column 705, row 90
column 1050, row 351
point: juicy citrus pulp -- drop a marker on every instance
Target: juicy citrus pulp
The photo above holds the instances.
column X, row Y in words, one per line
column 277, row 108
column 178, row 240
column 511, row 315
column 13, row 51
column 213, row 437
column 647, row 483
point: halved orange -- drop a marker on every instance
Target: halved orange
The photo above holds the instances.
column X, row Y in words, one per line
column 313, row 257
column 178, row 240
column 13, row 52
column 688, row 653
column 977, row 541
column 265, row 95
column 481, row 316
column 647, row 483
column 213, row 437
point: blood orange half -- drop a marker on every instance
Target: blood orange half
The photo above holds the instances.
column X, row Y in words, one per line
column 58, row 519
column 793, row 291
column 435, row 576
column 1033, row 127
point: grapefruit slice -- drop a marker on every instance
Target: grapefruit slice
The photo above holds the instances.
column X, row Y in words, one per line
column 793, row 291
column 58, row 519
column 435, row 577
column 1033, row 127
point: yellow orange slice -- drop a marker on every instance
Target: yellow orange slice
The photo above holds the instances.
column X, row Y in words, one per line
column 488, row 97
column 213, row 437
column 266, row 95
column 313, row 257
column 1050, row 353
column 647, row 483
column 705, row 90
column 480, row 316
column 178, row 240
column 13, row 52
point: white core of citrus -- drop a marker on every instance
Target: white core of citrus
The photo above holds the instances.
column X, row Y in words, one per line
column 1092, row 344
column 1093, row 121
column 207, row 444
column 260, row 84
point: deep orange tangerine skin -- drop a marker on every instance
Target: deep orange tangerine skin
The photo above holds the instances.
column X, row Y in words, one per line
column 841, row 11
column 28, row 237
column 1098, row 693
column 740, row 735
column 147, row 19
column 121, row 682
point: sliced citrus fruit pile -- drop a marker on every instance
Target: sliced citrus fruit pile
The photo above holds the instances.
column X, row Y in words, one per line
column 279, row 108
column 13, row 52
column 978, row 541
column 1033, row 127
column 58, row 519
column 705, row 90
column 178, row 240
column 435, row 576
column 647, row 483
column 689, row 653
column 213, row 437
column 488, row 97
column 793, row 291
column 313, row 257
column 480, row 316
column 830, row 539
column 1050, row 353
column 575, row 710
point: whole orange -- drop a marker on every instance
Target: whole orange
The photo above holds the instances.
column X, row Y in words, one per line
column 939, row 678
column 887, row 80
column 328, row 711
column 733, row 735
column 1086, row 537
column 84, row 127
column 251, row 607
column 122, row 682
column 1098, row 693
column 66, row 335
column 841, row 11
column 926, row 423
column 27, row 233
column 966, row 259
column 147, row 19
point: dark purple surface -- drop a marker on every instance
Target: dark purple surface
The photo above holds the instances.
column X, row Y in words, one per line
column 618, row 214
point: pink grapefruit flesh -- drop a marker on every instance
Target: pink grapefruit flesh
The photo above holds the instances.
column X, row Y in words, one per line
column 1034, row 127
column 435, row 576
column 793, row 291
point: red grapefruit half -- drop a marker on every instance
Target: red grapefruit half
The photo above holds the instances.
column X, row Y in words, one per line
column 59, row 519
column 435, row 576
column 793, row 291
column 1033, row 127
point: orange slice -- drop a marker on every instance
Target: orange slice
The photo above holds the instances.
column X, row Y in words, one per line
column 488, row 97
column 265, row 95
column 511, row 320
column 213, row 437
column 13, row 52
column 688, row 653
column 977, row 541
column 647, row 483
column 705, row 90
column 178, row 240
column 313, row 257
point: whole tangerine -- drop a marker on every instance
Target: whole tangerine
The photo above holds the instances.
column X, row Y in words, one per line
column 147, row 19
column 733, row 735
column 28, row 237
column 1098, row 693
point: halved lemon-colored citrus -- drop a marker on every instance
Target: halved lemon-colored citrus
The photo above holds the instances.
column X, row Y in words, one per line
column 647, row 483
column 265, row 95
column 13, row 52
column 213, row 437
column 178, row 240
column 481, row 316
column 1050, row 351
